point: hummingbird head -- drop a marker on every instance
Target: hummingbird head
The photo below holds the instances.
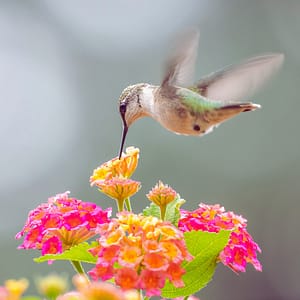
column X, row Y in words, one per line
column 130, row 108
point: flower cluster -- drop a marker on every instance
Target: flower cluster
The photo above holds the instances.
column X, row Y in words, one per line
column 241, row 248
column 125, row 166
column 137, row 252
column 60, row 223
column 113, row 177
column 13, row 289
column 162, row 195
column 86, row 290
column 140, row 252
column 52, row 285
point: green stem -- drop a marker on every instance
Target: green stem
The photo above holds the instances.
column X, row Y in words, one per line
column 163, row 209
column 120, row 205
column 78, row 268
column 142, row 297
column 128, row 204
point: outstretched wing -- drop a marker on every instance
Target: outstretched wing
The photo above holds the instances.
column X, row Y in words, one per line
column 180, row 66
column 236, row 82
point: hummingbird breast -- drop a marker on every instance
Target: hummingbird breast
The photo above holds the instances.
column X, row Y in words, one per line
column 179, row 118
column 182, row 121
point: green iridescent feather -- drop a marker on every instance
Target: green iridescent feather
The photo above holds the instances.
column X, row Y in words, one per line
column 196, row 102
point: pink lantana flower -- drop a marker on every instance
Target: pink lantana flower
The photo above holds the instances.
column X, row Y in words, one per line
column 241, row 248
column 61, row 223
column 152, row 282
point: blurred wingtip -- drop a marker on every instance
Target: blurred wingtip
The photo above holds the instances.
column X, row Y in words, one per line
column 276, row 59
column 279, row 58
column 187, row 36
column 256, row 106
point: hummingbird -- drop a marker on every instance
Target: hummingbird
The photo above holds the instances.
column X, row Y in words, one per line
column 196, row 109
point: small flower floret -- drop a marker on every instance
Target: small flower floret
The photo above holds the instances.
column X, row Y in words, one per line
column 113, row 177
column 13, row 289
column 162, row 194
column 123, row 167
column 118, row 188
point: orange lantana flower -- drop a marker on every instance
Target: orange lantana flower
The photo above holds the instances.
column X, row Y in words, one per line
column 148, row 251
column 112, row 177
column 123, row 167
column 162, row 194
column 119, row 188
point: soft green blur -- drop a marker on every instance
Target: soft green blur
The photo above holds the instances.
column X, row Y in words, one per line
column 63, row 65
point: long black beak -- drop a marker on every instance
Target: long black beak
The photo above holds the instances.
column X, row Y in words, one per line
column 124, row 133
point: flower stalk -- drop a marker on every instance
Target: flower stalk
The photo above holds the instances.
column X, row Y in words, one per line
column 79, row 268
column 128, row 204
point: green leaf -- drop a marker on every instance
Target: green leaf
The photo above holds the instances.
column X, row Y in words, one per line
column 76, row 253
column 31, row 298
column 152, row 210
column 205, row 247
column 172, row 212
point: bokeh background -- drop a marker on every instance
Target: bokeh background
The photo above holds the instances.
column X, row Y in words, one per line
column 63, row 65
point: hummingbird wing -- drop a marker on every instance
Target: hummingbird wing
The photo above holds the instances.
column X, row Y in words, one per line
column 180, row 66
column 236, row 82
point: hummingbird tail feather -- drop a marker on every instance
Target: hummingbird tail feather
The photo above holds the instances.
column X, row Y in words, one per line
column 229, row 111
column 242, row 107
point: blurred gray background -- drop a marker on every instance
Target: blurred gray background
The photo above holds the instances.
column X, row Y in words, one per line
column 63, row 65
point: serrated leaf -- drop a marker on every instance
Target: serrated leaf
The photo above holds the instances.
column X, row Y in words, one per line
column 205, row 247
column 172, row 211
column 76, row 253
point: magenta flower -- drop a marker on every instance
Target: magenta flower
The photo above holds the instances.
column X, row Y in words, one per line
column 241, row 248
column 61, row 223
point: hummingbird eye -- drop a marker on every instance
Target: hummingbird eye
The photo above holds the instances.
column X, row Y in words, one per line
column 123, row 108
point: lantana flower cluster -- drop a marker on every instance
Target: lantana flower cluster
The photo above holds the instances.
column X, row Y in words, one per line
column 241, row 248
column 113, row 177
column 13, row 289
column 140, row 252
column 94, row 290
column 61, row 223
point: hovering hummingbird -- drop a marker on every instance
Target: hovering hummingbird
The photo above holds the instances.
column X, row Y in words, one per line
column 196, row 109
